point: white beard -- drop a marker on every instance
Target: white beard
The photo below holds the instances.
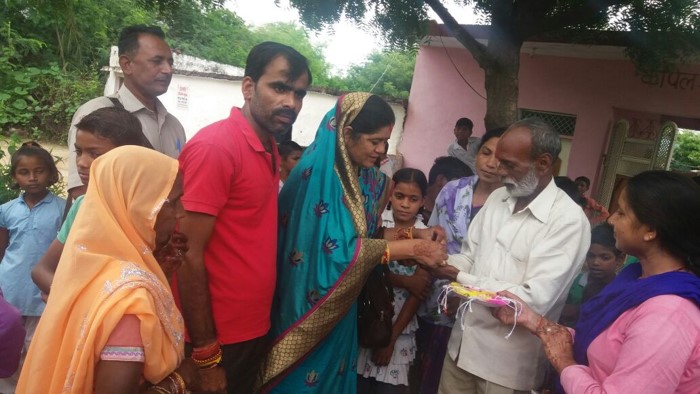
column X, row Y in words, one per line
column 524, row 187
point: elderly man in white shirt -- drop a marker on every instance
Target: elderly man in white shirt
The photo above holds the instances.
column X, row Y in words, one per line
column 529, row 238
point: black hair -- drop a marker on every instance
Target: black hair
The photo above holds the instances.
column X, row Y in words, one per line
column 375, row 114
column 287, row 147
column 464, row 123
column 449, row 167
column 584, row 180
column 411, row 175
column 493, row 133
column 129, row 37
column 117, row 125
column 602, row 234
column 264, row 53
column 33, row 149
column 669, row 204
column 569, row 187
column 31, row 143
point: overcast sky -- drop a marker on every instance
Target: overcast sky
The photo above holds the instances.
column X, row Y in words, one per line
column 345, row 45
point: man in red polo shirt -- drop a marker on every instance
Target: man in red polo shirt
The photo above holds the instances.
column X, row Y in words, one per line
column 231, row 177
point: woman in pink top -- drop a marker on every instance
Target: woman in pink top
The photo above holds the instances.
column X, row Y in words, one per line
column 641, row 334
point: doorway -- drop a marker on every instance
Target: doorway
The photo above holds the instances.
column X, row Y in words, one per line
column 627, row 157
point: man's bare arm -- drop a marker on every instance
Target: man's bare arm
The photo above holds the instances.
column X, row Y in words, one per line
column 193, row 282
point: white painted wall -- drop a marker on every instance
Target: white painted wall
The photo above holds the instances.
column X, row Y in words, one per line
column 199, row 101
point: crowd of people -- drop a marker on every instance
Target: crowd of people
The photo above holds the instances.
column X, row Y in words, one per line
column 233, row 264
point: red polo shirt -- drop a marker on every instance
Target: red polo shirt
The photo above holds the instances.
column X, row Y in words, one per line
column 228, row 174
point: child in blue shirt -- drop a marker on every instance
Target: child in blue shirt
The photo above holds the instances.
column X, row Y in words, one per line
column 97, row 133
column 28, row 224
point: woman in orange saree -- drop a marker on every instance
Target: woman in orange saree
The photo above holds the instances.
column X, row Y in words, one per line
column 108, row 282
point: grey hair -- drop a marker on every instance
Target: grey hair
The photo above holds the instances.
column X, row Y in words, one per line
column 544, row 138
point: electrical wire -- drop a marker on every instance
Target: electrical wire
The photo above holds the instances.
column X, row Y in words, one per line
column 456, row 69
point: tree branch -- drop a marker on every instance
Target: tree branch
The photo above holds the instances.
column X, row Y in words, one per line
column 587, row 13
column 477, row 49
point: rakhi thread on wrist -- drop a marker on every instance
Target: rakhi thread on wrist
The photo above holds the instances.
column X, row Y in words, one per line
column 473, row 294
column 386, row 257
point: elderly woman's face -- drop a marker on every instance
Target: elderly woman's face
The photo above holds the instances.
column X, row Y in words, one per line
column 365, row 149
column 169, row 214
column 630, row 233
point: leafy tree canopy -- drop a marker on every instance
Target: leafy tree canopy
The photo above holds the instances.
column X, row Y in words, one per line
column 387, row 74
column 686, row 153
column 661, row 32
column 51, row 53
column 296, row 37
column 404, row 21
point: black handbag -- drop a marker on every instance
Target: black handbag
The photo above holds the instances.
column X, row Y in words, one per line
column 375, row 310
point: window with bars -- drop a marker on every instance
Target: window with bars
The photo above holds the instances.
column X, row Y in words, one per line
column 564, row 124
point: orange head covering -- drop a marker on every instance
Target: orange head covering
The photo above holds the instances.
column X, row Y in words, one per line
column 107, row 270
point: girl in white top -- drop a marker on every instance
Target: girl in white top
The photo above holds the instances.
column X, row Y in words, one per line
column 385, row 370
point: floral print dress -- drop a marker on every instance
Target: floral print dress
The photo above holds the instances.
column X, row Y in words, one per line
column 396, row 372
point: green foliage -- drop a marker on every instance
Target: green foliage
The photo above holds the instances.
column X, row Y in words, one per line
column 296, row 37
column 218, row 35
column 7, row 193
column 387, row 74
column 401, row 22
column 51, row 52
column 38, row 100
column 9, row 146
column 675, row 25
column 661, row 32
column 16, row 83
column 686, row 152
column 61, row 93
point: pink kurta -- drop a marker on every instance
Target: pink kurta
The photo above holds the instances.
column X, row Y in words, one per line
column 653, row 348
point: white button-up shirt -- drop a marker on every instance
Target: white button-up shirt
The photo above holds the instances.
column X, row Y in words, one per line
column 534, row 253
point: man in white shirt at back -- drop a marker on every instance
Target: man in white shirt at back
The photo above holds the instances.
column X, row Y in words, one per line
column 529, row 238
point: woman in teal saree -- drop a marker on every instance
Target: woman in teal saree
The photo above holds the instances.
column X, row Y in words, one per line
column 329, row 211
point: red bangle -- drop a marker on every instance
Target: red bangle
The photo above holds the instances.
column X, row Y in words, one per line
column 208, row 351
column 210, row 361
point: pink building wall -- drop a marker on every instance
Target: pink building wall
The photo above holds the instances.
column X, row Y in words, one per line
column 592, row 89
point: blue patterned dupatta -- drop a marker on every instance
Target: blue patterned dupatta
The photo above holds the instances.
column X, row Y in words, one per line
column 328, row 210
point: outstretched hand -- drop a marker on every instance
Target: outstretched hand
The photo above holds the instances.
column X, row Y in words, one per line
column 430, row 253
column 558, row 345
column 556, row 339
column 445, row 271
column 526, row 316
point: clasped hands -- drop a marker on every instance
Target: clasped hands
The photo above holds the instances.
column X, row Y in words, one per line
column 202, row 380
column 431, row 251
